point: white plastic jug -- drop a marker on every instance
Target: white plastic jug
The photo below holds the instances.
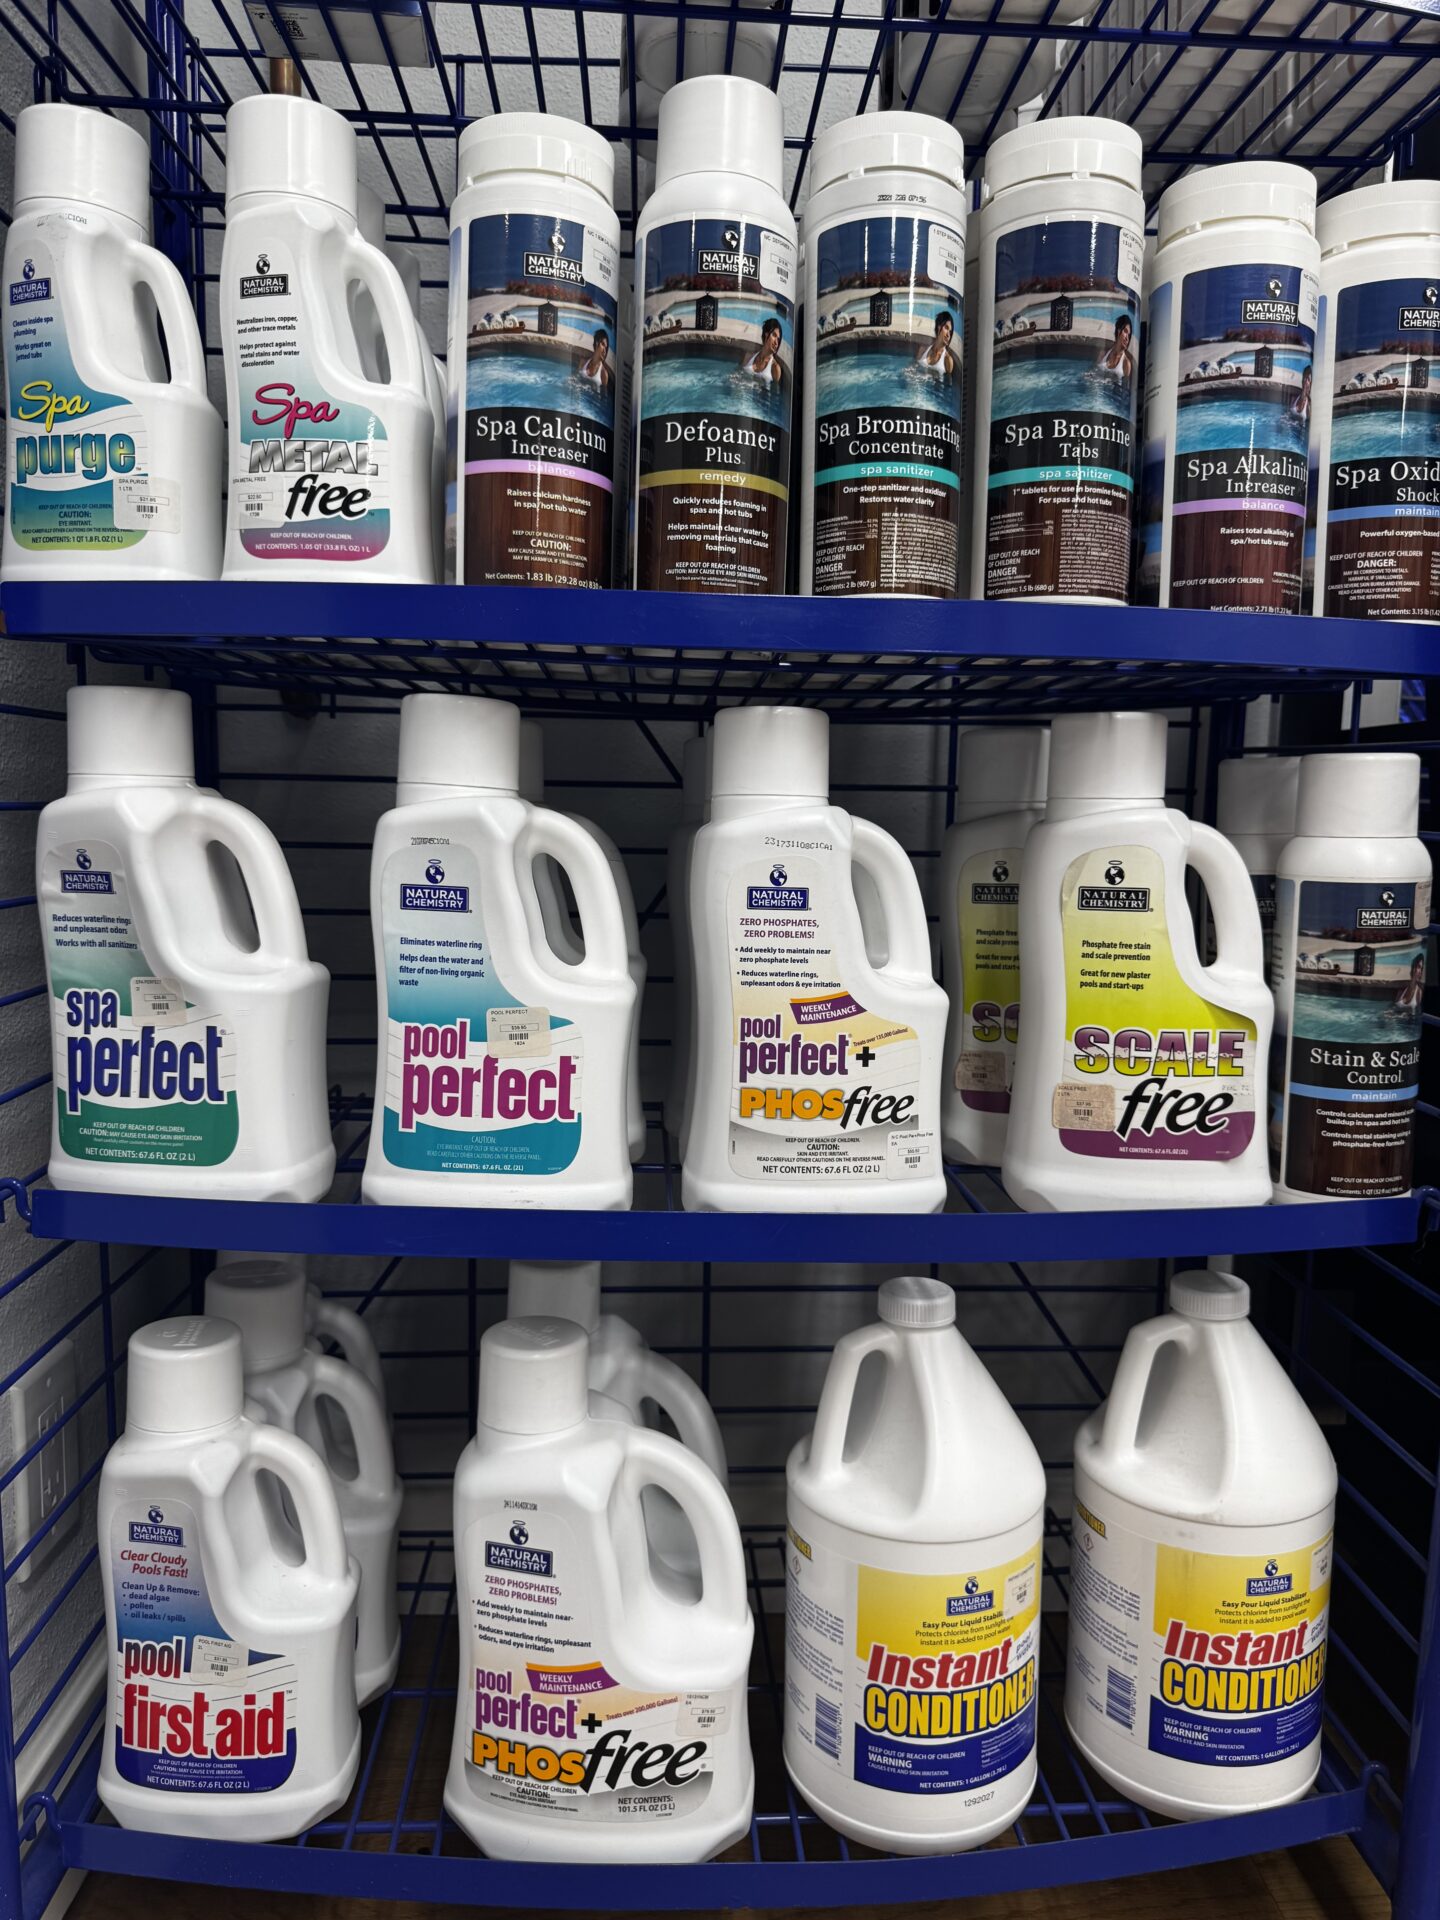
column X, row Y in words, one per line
column 817, row 1073
column 679, row 851
column 309, row 1394
column 914, row 1518
column 330, row 469
column 600, row 1717
column 1200, row 1570
column 187, row 1060
column 325, row 1319
column 232, row 1709
column 504, row 1067
column 114, row 459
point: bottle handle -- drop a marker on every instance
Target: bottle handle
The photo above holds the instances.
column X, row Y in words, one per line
column 1142, row 1349
column 148, row 267
column 832, row 1416
column 652, row 1460
column 257, row 853
column 362, row 1407
column 678, row 1397
column 380, row 277
column 624, row 891
column 602, row 925
column 1239, row 942
column 305, row 1479
column 889, row 866
column 354, row 1339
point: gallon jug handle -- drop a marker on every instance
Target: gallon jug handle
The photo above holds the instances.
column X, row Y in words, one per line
column 677, row 1396
column 299, row 1470
column 1239, row 943
column 148, row 267
column 262, row 864
column 890, row 867
column 354, row 1339
column 652, row 1460
column 1142, row 1349
column 832, row 1416
column 602, row 924
column 380, row 277
column 362, row 1407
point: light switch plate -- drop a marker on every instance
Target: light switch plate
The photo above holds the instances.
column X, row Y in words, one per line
column 36, row 1403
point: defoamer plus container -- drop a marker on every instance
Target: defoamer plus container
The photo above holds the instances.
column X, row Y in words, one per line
column 231, row 1710
column 601, row 1715
column 189, row 1049
column 115, row 458
column 817, row 1072
column 1229, row 389
column 914, row 1515
column 1200, row 1572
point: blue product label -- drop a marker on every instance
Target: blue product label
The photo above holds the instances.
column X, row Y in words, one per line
column 541, row 365
column 888, row 326
column 1061, row 459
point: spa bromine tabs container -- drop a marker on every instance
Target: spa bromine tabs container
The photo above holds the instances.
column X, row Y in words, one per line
column 884, row 486
column 1377, row 415
column 1061, row 250
column 715, row 279
column 1229, row 376
column 535, row 353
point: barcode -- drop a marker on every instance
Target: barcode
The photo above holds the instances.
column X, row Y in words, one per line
column 1119, row 1697
column 827, row 1728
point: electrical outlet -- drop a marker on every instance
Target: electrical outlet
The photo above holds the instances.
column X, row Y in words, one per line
column 37, row 1403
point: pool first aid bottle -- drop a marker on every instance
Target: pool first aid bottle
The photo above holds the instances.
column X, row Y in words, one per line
column 115, row 455
column 189, row 1043
column 914, row 1515
column 1200, row 1569
column 231, row 1711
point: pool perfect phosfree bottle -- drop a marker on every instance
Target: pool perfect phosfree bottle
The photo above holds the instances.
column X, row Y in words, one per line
column 715, row 281
column 189, row 1047
column 883, row 487
column 914, row 1516
column 1352, row 905
column 1200, row 1568
column 115, row 450
column 535, row 351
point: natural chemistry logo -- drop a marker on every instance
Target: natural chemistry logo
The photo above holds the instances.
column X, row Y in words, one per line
column 506, row 1557
column 554, row 265
column 1274, row 311
column 1386, row 918
column 779, row 896
column 30, row 286
column 1114, row 896
column 433, row 896
column 998, row 891
column 1272, row 1581
column 1424, row 319
column 153, row 1532
column 83, row 877
column 731, row 259
column 263, row 284
column 972, row 1600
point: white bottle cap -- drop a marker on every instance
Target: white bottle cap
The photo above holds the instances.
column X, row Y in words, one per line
column 76, row 153
column 555, row 1290
column 872, row 141
column 695, row 772
column 915, row 1300
column 532, row 1376
column 370, row 215
column 129, row 733
column 1069, row 148
column 272, row 1262
column 284, row 144
column 456, row 740
column 266, row 1304
column 184, row 1376
column 532, row 763
column 1205, row 1295
column 1393, row 210
column 718, row 123
column 1359, row 796
column 1239, row 190
column 535, row 143
column 765, row 751
column 1108, row 756
column 1001, row 768
column 1257, row 794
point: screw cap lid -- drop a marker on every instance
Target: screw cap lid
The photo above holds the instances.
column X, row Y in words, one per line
column 184, row 1376
column 915, row 1300
column 532, row 1375
column 1204, row 1295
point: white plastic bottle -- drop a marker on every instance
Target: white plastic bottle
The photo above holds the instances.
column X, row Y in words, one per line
column 1140, row 1073
column 1200, row 1574
column 883, row 488
column 187, row 1062
column 968, row 379
column 1229, row 378
column 914, row 1515
column 715, row 282
column 1255, row 810
column 600, row 1716
column 679, row 851
column 330, row 470
column 535, row 250
column 325, row 1319
column 817, row 1074
column 505, row 1068
column 1057, row 346
column 296, row 1388
column 999, row 797
column 1377, row 437
column 1352, row 904
column 114, row 459
column 231, row 1709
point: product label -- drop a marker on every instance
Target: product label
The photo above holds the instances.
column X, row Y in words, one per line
column 1061, row 476
column 309, row 474
column 1151, row 1070
column 918, row 1683
column 1242, row 438
column 889, row 321
column 1348, row 970
column 1382, row 551
column 475, row 1082
column 141, row 1075
column 80, row 478
column 822, row 1086
column 717, row 385
column 553, row 1727
column 989, row 910
column 196, row 1711
column 1218, row 1659
column 541, row 366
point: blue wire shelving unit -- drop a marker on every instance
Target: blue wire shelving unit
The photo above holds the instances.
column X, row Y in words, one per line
column 1345, row 1292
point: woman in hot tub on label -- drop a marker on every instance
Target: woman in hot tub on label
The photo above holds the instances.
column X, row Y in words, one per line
column 764, row 362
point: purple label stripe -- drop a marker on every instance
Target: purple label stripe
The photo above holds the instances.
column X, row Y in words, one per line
column 1244, row 504
column 539, row 466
